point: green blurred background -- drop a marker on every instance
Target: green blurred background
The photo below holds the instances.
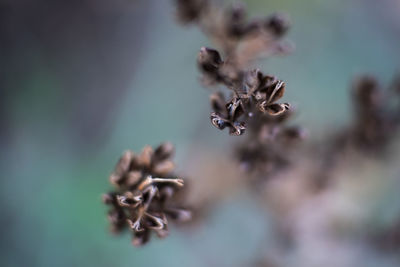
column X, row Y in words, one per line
column 81, row 81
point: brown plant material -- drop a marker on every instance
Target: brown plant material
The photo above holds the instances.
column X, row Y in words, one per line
column 252, row 93
column 144, row 196
column 253, row 103
column 374, row 120
column 372, row 130
column 270, row 147
column 242, row 41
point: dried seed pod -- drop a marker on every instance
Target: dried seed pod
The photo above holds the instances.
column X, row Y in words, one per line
column 137, row 202
column 273, row 109
column 227, row 115
column 254, row 80
column 209, row 60
column 218, row 121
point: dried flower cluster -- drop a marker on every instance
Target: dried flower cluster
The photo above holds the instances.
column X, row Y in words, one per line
column 144, row 193
column 146, row 188
column 242, row 42
column 255, row 94
column 253, row 104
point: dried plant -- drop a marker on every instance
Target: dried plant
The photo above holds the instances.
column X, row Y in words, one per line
column 253, row 104
column 145, row 187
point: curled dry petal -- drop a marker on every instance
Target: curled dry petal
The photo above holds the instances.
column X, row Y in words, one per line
column 121, row 168
column 146, row 156
column 218, row 121
column 276, row 92
column 164, row 167
column 133, row 177
column 136, row 225
column 130, row 199
column 273, row 109
column 155, row 222
column 238, row 128
column 164, row 151
column 235, row 109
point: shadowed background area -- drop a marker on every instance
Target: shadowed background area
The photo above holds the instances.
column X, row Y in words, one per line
column 82, row 81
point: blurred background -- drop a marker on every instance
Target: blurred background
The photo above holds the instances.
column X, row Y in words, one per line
column 82, row 81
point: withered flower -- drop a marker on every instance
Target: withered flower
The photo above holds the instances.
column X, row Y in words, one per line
column 209, row 62
column 252, row 92
column 145, row 186
column 227, row 115
column 265, row 91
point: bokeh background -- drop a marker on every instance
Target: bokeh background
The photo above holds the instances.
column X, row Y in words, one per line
column 82, row 81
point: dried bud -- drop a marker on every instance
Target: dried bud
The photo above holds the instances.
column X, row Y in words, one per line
column 254, row 80
column 209, row 60
column 272, row 94
column 277, row 24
